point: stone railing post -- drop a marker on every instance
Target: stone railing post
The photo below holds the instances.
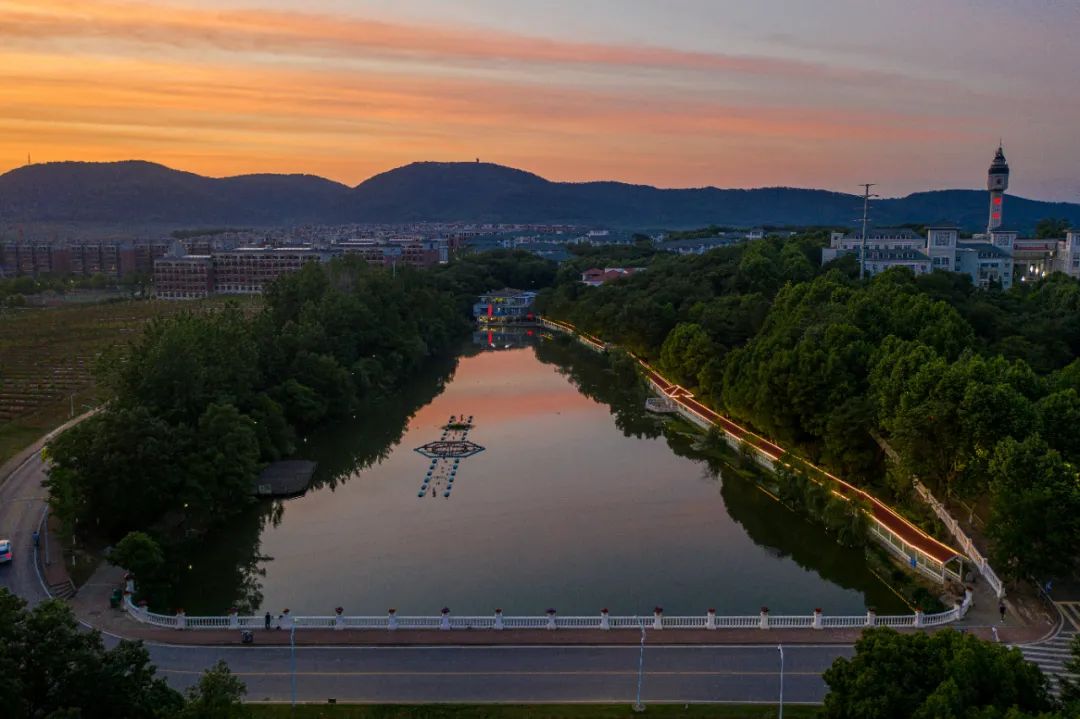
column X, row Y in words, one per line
column 286, row 620
column 763, row 618
column 817, row 618
column 125, row 606
column 339, row 618
column 444, row 624
column 391, row 619
column 234, row 618
column 551, row 619
column 142, row 610
column 605, row 622
column 871, row 617
column 498, row 620
column 918, row 617
column 658, row 618
column 129, row 583
column 710, row 619
column 181, row 619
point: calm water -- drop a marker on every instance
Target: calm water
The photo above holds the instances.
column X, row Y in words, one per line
column 578, row 502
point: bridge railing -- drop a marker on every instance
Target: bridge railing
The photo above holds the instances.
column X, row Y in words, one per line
column 961, row 536
column 496, row 622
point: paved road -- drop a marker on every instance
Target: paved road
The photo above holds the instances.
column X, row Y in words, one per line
column 22, row 500
column 1052, row 654
column 452, row 674
column 515, row 674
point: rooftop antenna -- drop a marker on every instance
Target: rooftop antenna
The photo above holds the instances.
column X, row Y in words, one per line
column 865, row 215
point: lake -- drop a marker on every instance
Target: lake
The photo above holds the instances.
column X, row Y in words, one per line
column 579, row 501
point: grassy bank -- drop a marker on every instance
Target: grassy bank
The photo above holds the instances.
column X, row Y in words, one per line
column 47, row 358
column 532, row 711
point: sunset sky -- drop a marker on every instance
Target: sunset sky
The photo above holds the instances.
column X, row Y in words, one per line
column 912, row 95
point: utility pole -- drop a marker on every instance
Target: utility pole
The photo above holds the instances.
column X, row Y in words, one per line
column 865, row 216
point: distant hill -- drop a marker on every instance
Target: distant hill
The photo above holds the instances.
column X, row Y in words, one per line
column 143, row 193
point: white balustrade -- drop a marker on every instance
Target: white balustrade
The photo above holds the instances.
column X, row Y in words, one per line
column 701, row 622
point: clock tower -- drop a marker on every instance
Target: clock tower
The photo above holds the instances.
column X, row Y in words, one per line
column 997, row 181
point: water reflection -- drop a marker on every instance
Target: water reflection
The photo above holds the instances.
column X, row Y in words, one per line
column 771, row 525
column 581, row 500
column 232, row 566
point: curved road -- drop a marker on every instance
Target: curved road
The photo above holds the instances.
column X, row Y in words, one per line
column 722, row 673
column 22, row 500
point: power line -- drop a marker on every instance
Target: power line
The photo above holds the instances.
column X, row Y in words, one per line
column 865, row 215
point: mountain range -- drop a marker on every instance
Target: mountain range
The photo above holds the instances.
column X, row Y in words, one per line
column 144, row 193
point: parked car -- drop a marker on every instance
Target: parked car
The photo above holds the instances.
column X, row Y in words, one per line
column 5, row 551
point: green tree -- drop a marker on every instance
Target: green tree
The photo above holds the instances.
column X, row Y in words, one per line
column 217, row 695
column 1051, row 228
column 1035, row 510
column 944, row 675
column 55, row 668
column 1060, row 414
column 1070, row 685
column 686, row 350
column 138, row 553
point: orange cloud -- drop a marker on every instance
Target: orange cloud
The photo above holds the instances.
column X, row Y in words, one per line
column 269, row 31
column 226, row 92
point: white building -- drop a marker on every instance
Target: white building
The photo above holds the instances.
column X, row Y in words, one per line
column 997, row 257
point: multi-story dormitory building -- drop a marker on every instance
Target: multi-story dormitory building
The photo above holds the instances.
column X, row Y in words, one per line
column 999, row 256
column 85, row 258
column 247, row 270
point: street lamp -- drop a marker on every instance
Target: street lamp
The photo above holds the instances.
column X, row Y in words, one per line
column 781, row 648
column 292, row 660
column 638, row 706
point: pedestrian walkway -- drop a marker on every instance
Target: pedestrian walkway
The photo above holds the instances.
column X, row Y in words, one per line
column 1050, row 655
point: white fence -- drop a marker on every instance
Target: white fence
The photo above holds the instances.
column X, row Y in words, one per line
column 961, row 537
column 497, row 621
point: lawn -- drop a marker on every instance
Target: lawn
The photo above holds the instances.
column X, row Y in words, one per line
column 47, row 358
column 531, row 711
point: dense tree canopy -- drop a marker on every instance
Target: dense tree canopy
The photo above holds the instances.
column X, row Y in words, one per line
column 943, row 675
column 49, row 666
column 834, row 367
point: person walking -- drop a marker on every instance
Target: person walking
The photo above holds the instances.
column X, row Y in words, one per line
column 1001, row 609
column 267, row 620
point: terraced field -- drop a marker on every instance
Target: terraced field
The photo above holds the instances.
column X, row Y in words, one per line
column 47, row 358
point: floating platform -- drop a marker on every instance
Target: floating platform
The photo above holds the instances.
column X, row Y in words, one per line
column 286, row 478
column 446, row 454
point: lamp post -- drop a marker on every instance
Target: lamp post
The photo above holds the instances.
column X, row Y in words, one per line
column 292, row 660
column 781, row 648
column 638, row 706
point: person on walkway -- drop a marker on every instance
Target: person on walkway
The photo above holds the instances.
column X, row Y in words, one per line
column 267, row 620
column 1001, row 609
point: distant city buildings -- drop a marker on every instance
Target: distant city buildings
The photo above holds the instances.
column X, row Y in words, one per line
column 998, row 257
column 248, row 270
column 114, row 260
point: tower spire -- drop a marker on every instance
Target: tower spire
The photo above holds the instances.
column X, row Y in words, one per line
column 997, row 181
